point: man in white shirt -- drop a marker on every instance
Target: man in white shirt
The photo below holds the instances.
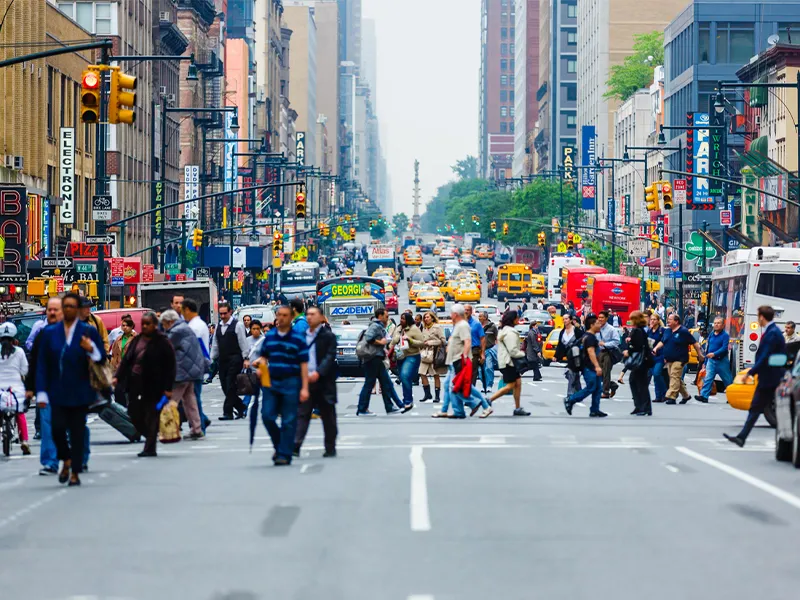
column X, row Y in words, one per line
column 229, row 347
column 200, row 329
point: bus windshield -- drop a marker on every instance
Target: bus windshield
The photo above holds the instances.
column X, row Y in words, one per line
column 351, row 298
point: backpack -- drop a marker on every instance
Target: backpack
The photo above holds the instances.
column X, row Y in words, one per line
column 364, row 350
column 574, row 351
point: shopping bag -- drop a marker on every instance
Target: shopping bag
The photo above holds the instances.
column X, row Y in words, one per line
column 263, row 371
column 462, row 382
column 169, row 427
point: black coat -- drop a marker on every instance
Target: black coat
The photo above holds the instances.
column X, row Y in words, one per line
column 33, row 359
column 561, row 349
column 639, row 343
column 158, row 367
column 325, row 345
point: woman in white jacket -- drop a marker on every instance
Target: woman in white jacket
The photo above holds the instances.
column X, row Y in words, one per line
column 13, row 368
column 508, row 348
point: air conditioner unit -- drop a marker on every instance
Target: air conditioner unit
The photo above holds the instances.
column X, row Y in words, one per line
column 9, row 162
column 162, row 90
column 170, row 97
column 19, row 163
column 165, row 15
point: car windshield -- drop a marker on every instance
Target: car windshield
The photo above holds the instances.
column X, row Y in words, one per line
column 347, row 334
column 538, row 315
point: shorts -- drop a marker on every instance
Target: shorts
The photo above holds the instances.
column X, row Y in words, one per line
column 510, row 374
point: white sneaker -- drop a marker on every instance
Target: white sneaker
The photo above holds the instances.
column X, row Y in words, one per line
column 486, row 413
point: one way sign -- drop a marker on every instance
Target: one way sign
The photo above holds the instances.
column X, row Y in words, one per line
column 55, row 262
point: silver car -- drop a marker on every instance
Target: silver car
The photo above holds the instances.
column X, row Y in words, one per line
column 347, row 338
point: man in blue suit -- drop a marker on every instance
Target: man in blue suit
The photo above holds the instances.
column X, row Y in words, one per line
column 62, row 382
column 769, row 378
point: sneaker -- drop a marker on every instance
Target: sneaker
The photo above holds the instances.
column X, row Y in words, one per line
column 670, row 401
column 521, row 412
column 407, row 408
column 734, row 439
column 26, row 449
column 144, row 454
column 439, row 415
column 281, row 462
column 599, row 413
column 660, row 400
column 47, row 471
column 567, row 405
column 193, row 437
column 366, row 413
column 685, row 400
column 475, row 410
column 702, row 399
column 486, row 413
column 37, row 435
column 331, row 454
column 394, row 411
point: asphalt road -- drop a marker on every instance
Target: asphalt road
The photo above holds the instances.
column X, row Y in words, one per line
column 414, row 508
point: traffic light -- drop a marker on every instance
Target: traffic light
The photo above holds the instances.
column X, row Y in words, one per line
column 666, row 195
column 505, row 228
column 90, row 95
column 570, row 241
column 475, row 220
column 121, row 95
column 352, row 233
column 703, row 298
column 300, row 204
column 130, row 302
column 654, row 242
column 542, row 238
column 197, row 238
column 651, row 197
column 493, row 226
column 277, row 243
column 325, row 230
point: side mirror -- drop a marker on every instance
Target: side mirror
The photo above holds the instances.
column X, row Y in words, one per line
column 777, row 360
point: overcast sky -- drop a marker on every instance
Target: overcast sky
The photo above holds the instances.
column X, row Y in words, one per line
column 427, row 91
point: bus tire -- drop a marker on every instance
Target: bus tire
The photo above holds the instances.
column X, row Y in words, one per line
column 783, row 449
column 769, row 414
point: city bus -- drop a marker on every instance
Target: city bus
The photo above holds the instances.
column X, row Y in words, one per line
column 558, row 262
column 749, row 279
column 574, row 281
column 352, row 298
column 299, row 279
column 619, row 293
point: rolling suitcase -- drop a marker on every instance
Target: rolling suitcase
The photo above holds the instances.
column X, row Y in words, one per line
column 117, row 416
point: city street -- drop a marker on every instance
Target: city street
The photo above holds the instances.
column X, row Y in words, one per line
column 413, row 508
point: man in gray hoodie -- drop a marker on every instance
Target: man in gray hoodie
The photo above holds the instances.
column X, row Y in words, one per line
column 190, row 364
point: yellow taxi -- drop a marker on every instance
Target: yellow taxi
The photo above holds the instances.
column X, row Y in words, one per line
column 440, row 274
column 692, row 352
column 415, row 290
column 549, row 347
column 468, row 292
column 429, row 299
column 385, row 272
column 466, row 278
column 437, row 250
column 448, row 288
column 412, row 256
column 484, row 251
column 740, row 392
column 538, row 285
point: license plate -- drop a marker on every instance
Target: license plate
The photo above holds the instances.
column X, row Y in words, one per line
column 349, row 351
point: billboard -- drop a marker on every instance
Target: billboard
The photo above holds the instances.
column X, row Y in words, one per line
column 66, row 175
column 698, row 161
column 588, row 176
column 568, row 162
column 14, row 234
column 300, row 148
column 378, row 252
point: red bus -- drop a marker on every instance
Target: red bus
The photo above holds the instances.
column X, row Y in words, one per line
column 618, row 292
column 573, row 282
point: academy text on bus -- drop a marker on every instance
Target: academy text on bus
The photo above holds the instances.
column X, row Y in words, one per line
column 351, row 298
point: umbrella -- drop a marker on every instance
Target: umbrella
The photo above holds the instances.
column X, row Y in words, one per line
column 253, row 421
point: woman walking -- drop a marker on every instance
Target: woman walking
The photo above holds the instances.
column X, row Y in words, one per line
column 146, row 373
column 507, row 350
column 571, row 334
column 654, row 334
column 640, row 359
column 13, row 369
column 407, row 339
column 432, row 339
column 533, row 349
column 121, row 343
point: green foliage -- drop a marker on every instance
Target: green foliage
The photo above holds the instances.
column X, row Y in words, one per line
column 466, row 168
column 400, row 222
column 379, row 229
column 636, row 71
column 599, row 254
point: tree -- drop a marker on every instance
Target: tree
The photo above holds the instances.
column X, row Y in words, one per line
column 466, row 168
column 636, row 71
column 400, row 222
column 378, row 229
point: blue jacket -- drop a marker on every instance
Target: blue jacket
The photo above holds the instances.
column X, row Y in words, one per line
column 718, row 344
column 772, row 342
column 63, row 371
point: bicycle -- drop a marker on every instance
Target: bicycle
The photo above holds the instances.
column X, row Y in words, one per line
column 9, row 407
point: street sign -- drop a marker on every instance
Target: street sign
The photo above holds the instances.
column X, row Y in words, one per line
column 562, row 247
column 59, row 284
column 697, row 277
column 226, row 271
column 173, row 268
column 189, row 273
column 117, row 281
column 99, row 240
column 147, row 273
column 201, row 272
column 180, row 276
column 53, row 262
column 694, row 248
column 638, row 247
column 691, row 294
column 679, row 191
column 86, row 268
column 643, row 260
column 676, row 275
column 674, row 265
column 101, row 207
column 725, row 217
column 240, row 276
column 117, row 267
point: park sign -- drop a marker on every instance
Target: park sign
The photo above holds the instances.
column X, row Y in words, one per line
column 694, row 248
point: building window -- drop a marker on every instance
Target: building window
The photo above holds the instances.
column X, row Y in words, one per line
column 504, row 18
column 513, row 64
column 503, row 79
column 571, row 120
column 503, row 96
column 512, row 48
column 572, row 11
column 735, row 43
column 511, row 80
column 97, row 17
column 511, row 95
column 511, row 111
column 504, row 49
column 504, row 33
column 503, row 111
column 572, row 66
column 572, row 38
column 572, row 93
column 513, row 32
column 704, row 44
column 503, row 127
column 504, row 64
column 511, row 127
column 787, row 31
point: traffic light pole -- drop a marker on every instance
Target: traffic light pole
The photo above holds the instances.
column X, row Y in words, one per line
column 100, row 175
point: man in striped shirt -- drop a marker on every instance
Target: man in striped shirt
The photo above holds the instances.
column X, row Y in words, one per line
column 286, row 354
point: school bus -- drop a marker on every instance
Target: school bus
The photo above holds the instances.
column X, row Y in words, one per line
column 514, row 281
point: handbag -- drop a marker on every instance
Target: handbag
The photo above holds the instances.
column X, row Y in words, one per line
column 521, row 364
column 635, row 361
column 440, row 358
column 100, row 375
column 426, row 355
column 169, row 424
column 247, row 383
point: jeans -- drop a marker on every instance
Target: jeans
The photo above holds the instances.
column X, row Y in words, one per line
column 657, row 373
column 198, row 390
column 594, row 388
column 488, row 367
column 762, row 397
column 409, row 368
column 573, row 381
column 47, row 450
column 716, row 367
column 475, row 398
column 283, row 399
column 374, row 371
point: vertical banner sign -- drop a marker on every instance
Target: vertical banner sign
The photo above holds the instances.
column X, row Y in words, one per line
column 333, row 195
column 698, row 155
column 588, row 176
column 719, row 149
column 159, row 202
column 568, row 162
column 66, row 175
column 191, row 190
column 627, row 200
column 612, row 213
column 14, row 234
column 46, row 226
column 661, row 229
column 230, row 147
column 147, row 273
column 300, row 148
column 247, row 197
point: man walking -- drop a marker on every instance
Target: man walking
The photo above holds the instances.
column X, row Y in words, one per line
column 610, row 353
column 789, row 332
column 200, row 330
column 717, row 363
column 490, row 351
column 676, row 343
column 322, row 382
column 374, row 370
column 299, row 321
column 478, row 341
column 85, row 315
column 229, row 349
column 591, row 369
column 286, row 354
column 190, row 364
column 769, row 378
column 177, row 303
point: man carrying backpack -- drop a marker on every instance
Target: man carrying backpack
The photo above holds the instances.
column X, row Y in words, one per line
column 592, row 372
column 371, row 349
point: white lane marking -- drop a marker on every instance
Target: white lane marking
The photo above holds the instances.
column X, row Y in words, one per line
column 420, row 597
column 15, row 482
column 760, row 484
column 672, row 468
column 30, row 508
column 304, row 468
column 492, row 439
column 420, row 515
